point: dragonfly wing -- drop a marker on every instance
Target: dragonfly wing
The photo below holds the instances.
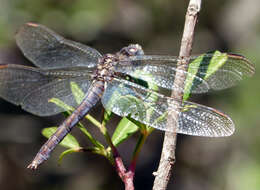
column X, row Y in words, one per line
column 205, row 72
column 199, row 120
column 221, row 71
column 128, row 99
column 39, row 101
column 33, row 88
column 46, row 49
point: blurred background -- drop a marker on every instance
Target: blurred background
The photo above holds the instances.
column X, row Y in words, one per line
column 202, row 163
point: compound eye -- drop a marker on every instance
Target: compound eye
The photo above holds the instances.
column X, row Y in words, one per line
column 132, row 50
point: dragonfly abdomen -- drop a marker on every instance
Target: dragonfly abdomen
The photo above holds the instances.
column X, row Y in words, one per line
column 92, row 97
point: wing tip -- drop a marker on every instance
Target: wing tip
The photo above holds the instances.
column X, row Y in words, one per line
column 23, row 28
column 251, row 66
column 32, row 24
column 226, row 130
column 3, row 66
column 231, row 131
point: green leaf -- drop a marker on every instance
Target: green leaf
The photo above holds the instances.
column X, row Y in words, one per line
column 69, row 141
column 213, row 64
column 146, row 78
column 66, row 152
column 107, row 116
column 124, row 102
column 124, row 130
column 89, row 136
column 61, row 104
column 217, row 61
column 77, row 92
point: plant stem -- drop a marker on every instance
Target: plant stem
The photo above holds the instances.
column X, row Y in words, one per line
column 102, row 128
column 168, row 152
column 85, row 131
column 126, row 176
column 93, row 120
column 90, row 137
column 137, row 150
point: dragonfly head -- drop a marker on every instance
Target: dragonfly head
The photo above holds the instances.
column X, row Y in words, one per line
column 131, row 50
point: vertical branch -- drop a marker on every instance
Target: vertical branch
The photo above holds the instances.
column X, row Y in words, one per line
column 167, row 160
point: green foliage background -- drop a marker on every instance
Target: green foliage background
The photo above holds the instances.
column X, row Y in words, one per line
column 202, row 163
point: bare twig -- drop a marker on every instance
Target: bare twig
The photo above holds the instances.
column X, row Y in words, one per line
column 168, row 153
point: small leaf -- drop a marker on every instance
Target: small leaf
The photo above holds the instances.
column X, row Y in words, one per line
column 69, row 109
column 69, row 141
column 217, row 61
column 107, row 116
column 147, row 77
column 213, row 64
column 124, row 130
column 138, row 124
column 68, row 151
column 77, row 92
column 61, row 104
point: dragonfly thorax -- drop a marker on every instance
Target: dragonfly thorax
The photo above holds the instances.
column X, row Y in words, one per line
column 105, row 69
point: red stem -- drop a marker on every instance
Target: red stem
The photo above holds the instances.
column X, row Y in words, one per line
column 126, row 176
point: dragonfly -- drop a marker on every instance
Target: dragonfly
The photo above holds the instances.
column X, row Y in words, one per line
column 121, row 81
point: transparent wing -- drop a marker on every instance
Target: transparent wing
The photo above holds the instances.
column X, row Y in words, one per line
column 128, row 99
column 205, row 72
column 32, row 88
column 46, row 49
